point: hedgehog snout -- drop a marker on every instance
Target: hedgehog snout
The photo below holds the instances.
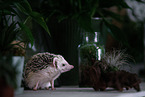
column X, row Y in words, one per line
column 67, row 68
column 71, row 66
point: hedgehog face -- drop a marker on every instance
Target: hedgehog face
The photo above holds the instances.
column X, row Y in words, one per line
column 62, row 64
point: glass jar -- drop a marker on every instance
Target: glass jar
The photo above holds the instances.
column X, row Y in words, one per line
column 90, row 50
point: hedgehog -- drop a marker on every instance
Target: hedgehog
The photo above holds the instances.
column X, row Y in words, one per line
column 43, row 68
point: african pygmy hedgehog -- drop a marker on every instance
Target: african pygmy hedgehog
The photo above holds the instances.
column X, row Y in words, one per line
column 43, row 68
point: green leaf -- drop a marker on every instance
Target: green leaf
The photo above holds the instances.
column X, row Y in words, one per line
column 37, row 17
column 11, row 33
column 8, row 34
column 20, row 8
column 40, row 20
column 94, row 6
column 28, row 32
column 27, row 6
column 24, row 7
column 27, row 19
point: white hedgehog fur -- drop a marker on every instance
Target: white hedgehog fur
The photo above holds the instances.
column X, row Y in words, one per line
column 43, row 78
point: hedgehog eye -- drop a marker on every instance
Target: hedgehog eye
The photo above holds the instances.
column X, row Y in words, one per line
column 63, row 64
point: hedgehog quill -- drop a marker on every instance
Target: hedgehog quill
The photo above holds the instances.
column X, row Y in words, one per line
column 43, row 68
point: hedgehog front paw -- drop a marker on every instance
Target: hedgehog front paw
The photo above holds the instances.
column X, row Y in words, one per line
column 53, row 88
column 36, row 86
column 35, row 89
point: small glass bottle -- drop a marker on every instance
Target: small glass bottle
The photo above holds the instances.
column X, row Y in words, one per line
column 90, row 50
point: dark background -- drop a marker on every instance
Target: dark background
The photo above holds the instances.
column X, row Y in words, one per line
column 66, row 36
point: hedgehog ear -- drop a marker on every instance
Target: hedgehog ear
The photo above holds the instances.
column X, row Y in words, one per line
column 55, row 62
